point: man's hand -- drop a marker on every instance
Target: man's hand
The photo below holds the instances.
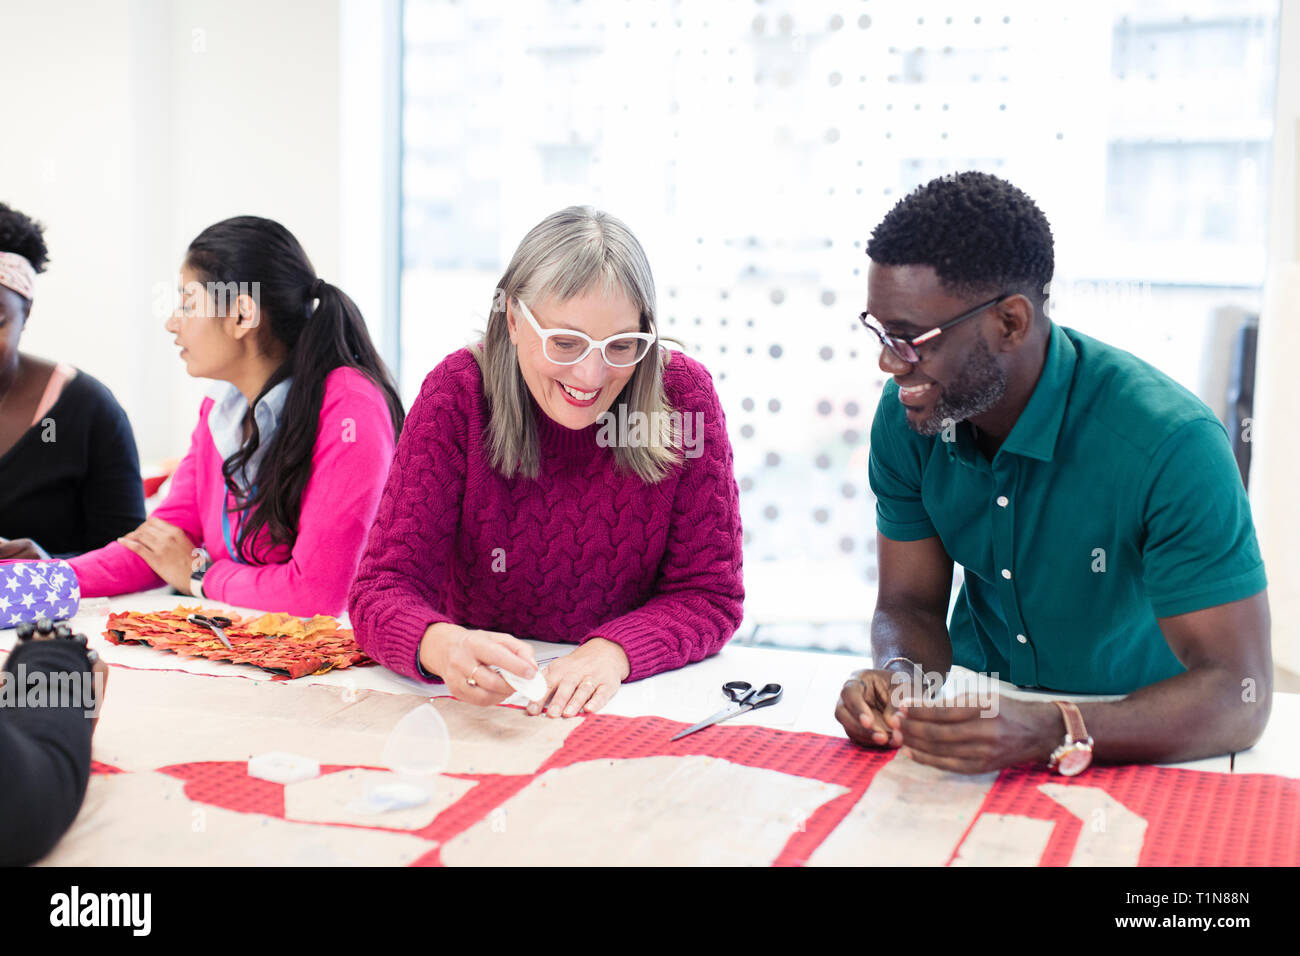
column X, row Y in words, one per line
column 165, row 548
column 970, row 738
column 99, row 669
column 867, row 709
column 21, row 548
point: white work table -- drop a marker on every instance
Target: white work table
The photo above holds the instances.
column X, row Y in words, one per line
column 811, row 682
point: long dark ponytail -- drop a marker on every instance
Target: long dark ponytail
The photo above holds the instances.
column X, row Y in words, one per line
column 321, row 328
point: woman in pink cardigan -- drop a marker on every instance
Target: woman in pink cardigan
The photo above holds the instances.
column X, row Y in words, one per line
column 271, row 506
column 566, row 480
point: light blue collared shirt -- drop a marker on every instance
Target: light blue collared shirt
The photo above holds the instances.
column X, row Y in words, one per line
column 227, row 416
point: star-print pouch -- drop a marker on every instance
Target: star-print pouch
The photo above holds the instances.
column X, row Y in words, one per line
column 30, row 590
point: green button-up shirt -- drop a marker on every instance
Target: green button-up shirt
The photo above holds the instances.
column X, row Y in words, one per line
column 1114, row 501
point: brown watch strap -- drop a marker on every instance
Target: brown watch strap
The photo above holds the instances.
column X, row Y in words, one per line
column 1073, row 720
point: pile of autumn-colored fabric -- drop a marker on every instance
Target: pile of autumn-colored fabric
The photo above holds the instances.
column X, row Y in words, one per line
column 281, row 643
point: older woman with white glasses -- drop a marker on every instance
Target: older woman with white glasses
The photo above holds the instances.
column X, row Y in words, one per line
column 567, row 479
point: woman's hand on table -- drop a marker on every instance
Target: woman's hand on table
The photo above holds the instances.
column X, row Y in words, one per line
column 584, row 680
column 165, row 548
column 459, row 655
column 21, row 548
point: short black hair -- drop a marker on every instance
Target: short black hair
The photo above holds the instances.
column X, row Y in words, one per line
column 979, row 233
column 23, row 235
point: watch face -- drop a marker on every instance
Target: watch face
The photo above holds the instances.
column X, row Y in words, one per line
column 1074, row 761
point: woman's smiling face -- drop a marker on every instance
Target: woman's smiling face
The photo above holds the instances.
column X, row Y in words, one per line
column 574, row 396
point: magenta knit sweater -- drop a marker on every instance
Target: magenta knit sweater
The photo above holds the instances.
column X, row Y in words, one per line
column 579, row 552
column 354, row 447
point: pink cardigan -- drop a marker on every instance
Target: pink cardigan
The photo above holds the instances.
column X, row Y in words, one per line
column 354, row 448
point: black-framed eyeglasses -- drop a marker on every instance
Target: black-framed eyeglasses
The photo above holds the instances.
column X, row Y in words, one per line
column 905, row 348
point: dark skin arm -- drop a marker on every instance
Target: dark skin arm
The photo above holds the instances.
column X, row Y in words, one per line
column 910, row 621
column 21, row 548
column 1219, row 705
column 21, row 386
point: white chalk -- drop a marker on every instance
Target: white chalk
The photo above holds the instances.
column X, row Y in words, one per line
column 535, row 689
column 384, row 797
column 279, row 767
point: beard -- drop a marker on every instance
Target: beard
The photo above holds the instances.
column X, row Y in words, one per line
column 979, row 386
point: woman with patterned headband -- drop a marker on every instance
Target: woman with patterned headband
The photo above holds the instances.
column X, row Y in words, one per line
column 270, row 507
column 69, row 470
column 568, row 480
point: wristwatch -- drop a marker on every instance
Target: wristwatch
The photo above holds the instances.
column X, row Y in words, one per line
column 1074, row 756
column 196, row 584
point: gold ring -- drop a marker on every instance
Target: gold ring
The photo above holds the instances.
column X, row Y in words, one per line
column 470, row 679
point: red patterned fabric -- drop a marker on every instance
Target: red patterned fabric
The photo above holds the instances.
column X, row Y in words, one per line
column 1194, row 818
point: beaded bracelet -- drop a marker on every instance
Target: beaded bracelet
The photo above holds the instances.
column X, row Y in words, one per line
column 61, row 631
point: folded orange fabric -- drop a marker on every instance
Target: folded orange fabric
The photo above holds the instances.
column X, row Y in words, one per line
column 286, row 645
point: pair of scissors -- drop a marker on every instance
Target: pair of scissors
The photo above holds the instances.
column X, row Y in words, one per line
column 744, row 696
column 216, row 624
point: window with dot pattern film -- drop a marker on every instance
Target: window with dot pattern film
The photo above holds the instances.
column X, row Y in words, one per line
column 752, row 146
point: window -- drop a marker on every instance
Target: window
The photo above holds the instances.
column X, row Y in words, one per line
column 752, row 147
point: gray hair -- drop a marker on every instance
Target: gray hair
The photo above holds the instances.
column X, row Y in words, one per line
column 569, row 253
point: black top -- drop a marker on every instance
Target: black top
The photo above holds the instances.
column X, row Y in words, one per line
column 45, row 750
column 72, row 481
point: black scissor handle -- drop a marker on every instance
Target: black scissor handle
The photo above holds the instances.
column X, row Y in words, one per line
column 737, row 690
column 743, row 692
column 204, row 621
column 769, row 694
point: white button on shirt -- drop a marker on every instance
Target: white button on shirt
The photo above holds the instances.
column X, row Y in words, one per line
column 1003, row 501
column 1006, row 574
column 1022, row 639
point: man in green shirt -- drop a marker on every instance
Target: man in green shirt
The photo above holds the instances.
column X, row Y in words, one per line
column 1093, row 502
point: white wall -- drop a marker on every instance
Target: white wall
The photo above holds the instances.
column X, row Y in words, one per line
column 143, row 121
column 1275, row 459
